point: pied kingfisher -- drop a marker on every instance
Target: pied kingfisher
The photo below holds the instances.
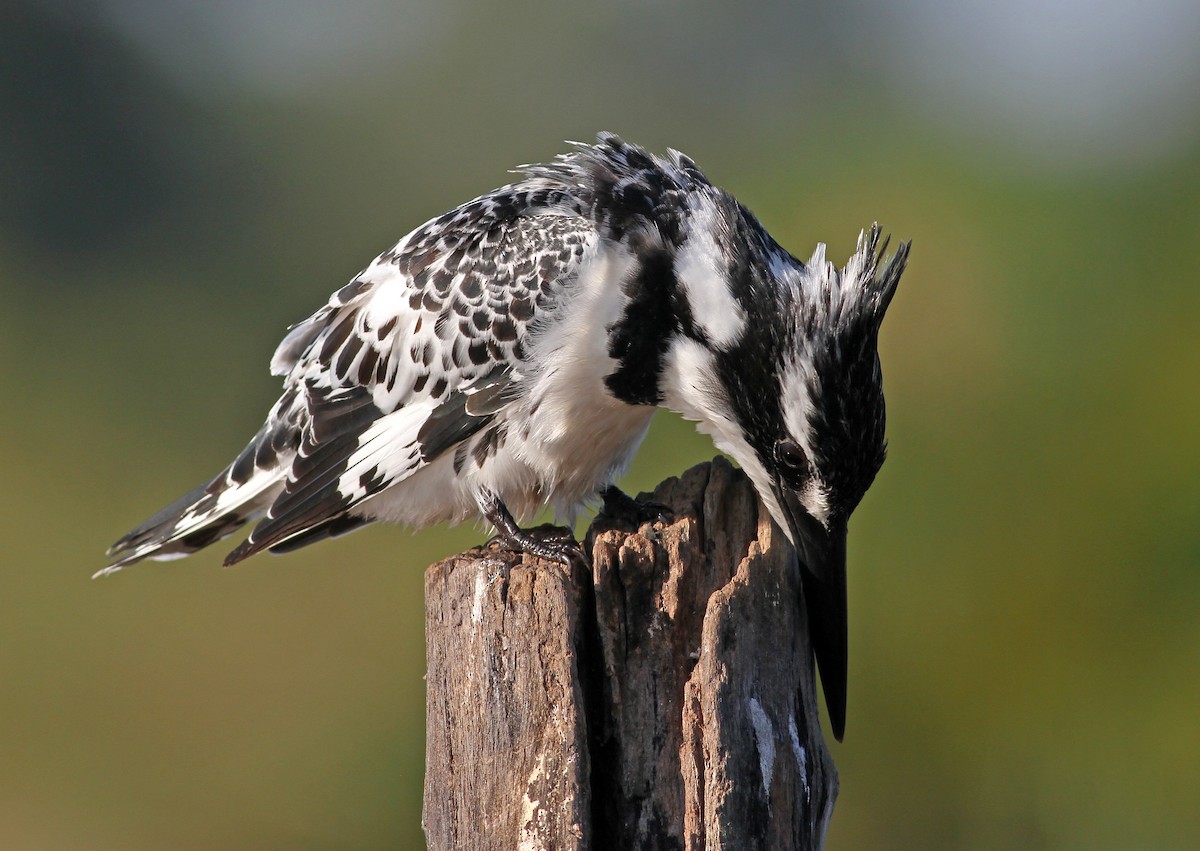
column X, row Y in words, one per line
column 509, row 355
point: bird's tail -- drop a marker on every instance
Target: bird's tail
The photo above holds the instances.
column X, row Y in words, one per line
column 239, row 494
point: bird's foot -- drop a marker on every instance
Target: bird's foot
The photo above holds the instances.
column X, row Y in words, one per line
column 628, row 511
column 553, row 543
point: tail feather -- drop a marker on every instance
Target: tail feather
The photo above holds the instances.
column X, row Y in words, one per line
column 195, row 520
column 152, row 529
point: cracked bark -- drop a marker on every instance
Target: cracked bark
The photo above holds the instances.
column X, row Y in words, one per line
column 665, row 700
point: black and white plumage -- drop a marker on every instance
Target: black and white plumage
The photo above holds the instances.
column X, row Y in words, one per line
column 510, row 354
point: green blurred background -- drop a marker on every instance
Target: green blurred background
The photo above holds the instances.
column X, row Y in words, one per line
column 179, row 181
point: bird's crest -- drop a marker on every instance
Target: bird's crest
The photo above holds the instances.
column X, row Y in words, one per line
column 850, row 302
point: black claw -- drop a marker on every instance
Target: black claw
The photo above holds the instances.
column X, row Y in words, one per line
column 574, row 555
column 553, row 543
column 626, row 510
column 529, row 540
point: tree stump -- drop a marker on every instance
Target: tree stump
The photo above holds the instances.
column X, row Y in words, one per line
column 666, row 700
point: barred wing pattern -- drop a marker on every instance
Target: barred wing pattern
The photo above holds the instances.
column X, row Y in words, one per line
column 415, row 355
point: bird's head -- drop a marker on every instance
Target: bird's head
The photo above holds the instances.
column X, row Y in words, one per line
column 786, row 376
column 821, row 449
column 826, row 442
column 794, row 393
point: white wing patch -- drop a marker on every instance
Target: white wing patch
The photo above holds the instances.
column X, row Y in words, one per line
column 388, row 449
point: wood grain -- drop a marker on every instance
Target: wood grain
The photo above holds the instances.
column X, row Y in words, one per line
column 663, row 700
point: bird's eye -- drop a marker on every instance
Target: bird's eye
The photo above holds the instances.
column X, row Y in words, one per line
column 793, row 461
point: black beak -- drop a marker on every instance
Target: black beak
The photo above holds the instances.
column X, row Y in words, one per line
column 822, row 554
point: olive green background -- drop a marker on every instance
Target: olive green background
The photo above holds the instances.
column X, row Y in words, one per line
column 177, row 188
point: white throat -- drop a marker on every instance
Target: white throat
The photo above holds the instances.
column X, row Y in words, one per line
column 690, row 387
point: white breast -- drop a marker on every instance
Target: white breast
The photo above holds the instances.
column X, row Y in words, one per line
column 569, row 432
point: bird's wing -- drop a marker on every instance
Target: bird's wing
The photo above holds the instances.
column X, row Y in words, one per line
column 417, row 354
column 413, row 356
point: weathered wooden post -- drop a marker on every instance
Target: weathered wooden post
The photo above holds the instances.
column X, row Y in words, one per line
column 666, row 701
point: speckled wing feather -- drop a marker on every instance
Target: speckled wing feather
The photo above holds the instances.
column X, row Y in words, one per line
column 417, row 353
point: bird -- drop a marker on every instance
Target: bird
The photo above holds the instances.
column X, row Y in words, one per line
column 508, row 356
